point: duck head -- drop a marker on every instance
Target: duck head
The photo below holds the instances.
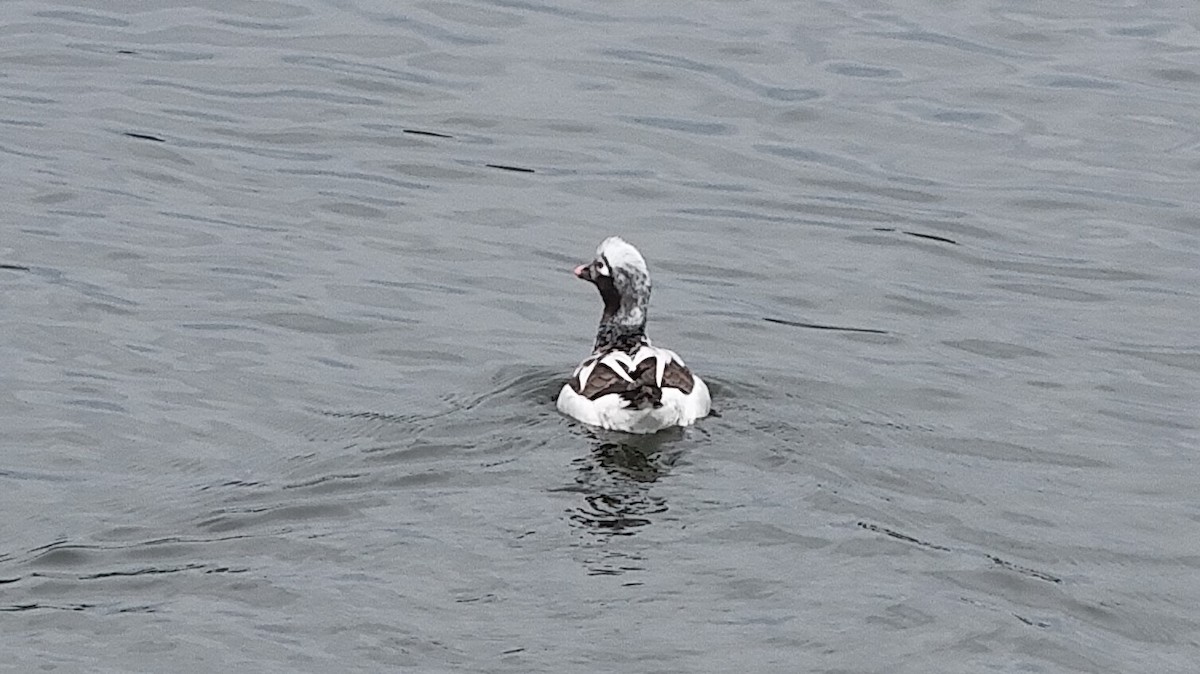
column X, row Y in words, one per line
column 619, row 272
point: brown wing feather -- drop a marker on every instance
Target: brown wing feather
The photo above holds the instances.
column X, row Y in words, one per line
column 602, row 381
column 677, row 376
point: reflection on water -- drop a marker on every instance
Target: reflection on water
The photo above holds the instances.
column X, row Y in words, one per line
column 616, row 483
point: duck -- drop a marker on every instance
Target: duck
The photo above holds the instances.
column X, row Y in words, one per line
column 628, row 384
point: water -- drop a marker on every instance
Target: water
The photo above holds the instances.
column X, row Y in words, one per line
column 287, row 301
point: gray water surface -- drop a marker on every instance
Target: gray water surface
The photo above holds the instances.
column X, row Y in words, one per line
column 287, row 301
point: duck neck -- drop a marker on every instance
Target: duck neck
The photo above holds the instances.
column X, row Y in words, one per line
column 614, row 336
column 623, row 324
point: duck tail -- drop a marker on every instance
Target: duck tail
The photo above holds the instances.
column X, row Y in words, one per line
column 647, row 394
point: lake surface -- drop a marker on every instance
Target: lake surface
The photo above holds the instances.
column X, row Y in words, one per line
column 287, row 301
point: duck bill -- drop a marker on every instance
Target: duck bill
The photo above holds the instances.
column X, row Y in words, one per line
column 584, row 272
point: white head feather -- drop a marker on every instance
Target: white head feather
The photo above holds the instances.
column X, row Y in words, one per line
column 621, row 255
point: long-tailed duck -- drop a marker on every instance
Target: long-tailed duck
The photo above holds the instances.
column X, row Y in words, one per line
column 627, row 384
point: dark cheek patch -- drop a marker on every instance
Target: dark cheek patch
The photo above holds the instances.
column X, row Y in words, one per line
column 608, row 293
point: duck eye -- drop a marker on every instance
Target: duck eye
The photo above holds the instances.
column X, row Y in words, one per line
column 601, row 267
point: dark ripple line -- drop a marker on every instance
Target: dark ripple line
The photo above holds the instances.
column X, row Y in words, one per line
column 323, row 479
column 214, row 221
column 919, row 235
column 13, row 608
column 517, row 169
column 418, row 132
column 902, row 537
column 234, row 483
column 64, row 545
column 1041, row 575
column 143, row 136
column 146, row 571
column 168, row 55
column 819, row 326
column 372, row 416
column 1032, row 623
column 931, row 237
column 1023, row 570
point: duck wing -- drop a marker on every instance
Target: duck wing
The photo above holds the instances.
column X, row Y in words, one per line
column 639, row 379
column 677, row 375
